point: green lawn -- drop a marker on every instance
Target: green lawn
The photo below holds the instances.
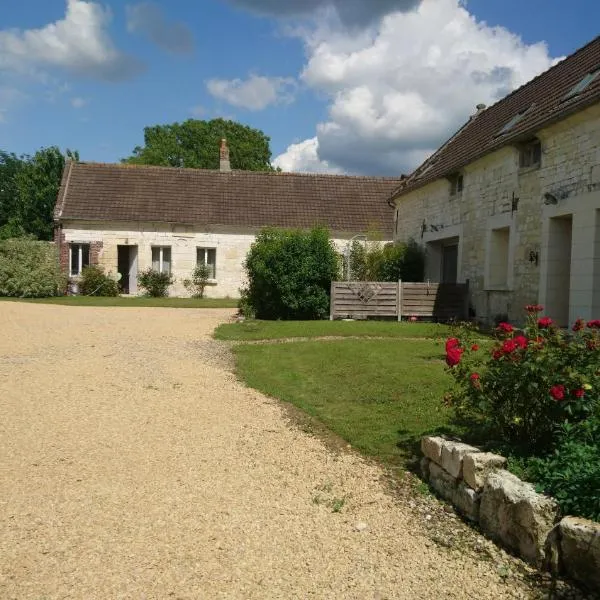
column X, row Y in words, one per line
column 271, row 330
column 138, row 302
column 379, row 395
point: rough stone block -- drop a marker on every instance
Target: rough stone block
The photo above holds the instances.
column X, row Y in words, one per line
column 425, row 462
column 452, row 457
column 467, row 501
column 514, row 514
column 442, row 482
column 432, row 448
column 580, row 550
column 477, row 466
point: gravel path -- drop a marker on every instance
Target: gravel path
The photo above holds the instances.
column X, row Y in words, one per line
column 133, row 465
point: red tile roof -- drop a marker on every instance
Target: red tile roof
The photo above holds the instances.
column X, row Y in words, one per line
column 544, row 99
column 113, row 192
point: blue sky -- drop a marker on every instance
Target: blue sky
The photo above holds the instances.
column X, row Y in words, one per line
column 370, row 88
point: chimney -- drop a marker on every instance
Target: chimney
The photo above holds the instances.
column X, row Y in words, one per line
column 225, row 164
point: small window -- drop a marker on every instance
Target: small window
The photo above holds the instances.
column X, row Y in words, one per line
column 582, row 85
column 208, row 257
column 530, row 154
column 514, row 121
column 161, row 259
column 79, row 258
column 456, row 184
column 498, row 258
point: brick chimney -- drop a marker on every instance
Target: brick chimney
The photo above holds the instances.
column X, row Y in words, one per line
column 225, row 164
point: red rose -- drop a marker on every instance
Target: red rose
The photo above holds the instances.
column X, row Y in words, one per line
column 594, row 324
column 534, row 308
column 558, row 391
column 580, row 393
column 579, row 325
column 544, row 322
column 509, row 346
column 452, row 343
column 474, row 347
column 521, row 341
column 505, row 328
column 497, row 354
column 453, row 356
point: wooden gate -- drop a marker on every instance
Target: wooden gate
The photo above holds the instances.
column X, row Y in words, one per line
column 363, row 299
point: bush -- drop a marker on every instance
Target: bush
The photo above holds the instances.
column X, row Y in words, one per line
column 30, row 269
column 155, row 283
column 290, row 274
column 532, row 382
column 572, row 472
column 392, row 262
column 197, row 284
column 94, row 282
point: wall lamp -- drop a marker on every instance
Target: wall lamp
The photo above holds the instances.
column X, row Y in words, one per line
column 534, row 257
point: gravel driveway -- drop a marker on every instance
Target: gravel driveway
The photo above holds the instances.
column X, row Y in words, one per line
column 133, row 465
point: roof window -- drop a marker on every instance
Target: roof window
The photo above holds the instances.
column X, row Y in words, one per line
column 582, row 85
column 516, row 119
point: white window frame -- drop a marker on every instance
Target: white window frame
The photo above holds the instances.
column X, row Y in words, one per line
column 205, row 250
column 161, row 250
column 495, row 223
column 79, row 246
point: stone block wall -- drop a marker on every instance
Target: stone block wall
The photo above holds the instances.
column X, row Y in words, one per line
column 498, row 194
column 510, row 511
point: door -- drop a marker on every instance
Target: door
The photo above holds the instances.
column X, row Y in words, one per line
column 558, row 286
column 127, row 267
column 449, row 263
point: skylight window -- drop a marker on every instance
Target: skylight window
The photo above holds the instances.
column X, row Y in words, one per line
column 582, row 85
column 516, row 119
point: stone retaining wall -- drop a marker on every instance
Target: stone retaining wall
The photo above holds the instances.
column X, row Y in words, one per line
column 510, row 511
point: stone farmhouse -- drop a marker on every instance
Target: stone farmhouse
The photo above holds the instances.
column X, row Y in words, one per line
column 129, row 218
column 511, row 202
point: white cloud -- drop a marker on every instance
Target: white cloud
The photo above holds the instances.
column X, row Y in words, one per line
column 350, row 12
column 398, row 91
column 304, row 157
column 255, row 93
column 78, row 102
column 79, row 43
column 148, row 19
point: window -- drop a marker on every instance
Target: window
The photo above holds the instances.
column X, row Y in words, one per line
column 161, row 259
column 582, row 85
column 530, row 154
column 516, row 119
column 208, row 257
column 498, row 258
column 79, row 257
column 456, row 184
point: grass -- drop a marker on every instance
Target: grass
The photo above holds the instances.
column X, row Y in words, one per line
column 271, row 330
column 136, row 302
column 381, row 396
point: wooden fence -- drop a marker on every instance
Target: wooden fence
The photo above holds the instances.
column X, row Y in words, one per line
column 363, row 299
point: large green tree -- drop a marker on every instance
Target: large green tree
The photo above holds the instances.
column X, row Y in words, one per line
column 28, row 190
column 195, row 144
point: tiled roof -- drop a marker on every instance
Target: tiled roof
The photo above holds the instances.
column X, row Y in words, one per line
column 544, row 99
column 113, row 192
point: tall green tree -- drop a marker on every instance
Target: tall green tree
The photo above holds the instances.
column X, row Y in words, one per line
column 195, row 144
column 28, row 190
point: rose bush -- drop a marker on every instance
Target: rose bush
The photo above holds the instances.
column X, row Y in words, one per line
column 530, row 382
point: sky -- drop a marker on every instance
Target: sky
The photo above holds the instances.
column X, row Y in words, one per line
column 340, row 86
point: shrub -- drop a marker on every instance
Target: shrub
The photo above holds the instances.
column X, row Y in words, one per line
column 572, row 472
column 94, row 282
column 290, row 274
column 197, row 284
column 155, row 283
column 30, row 269
column 531, row 382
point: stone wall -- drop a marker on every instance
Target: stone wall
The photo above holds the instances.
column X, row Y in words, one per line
column 232, row 246
column 498, row 194
column 510, row 511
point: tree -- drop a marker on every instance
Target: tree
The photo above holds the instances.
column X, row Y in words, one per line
column 28, row 190
column 195, row 144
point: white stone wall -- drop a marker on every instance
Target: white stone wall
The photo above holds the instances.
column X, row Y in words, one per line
column 570, row 171
column 231, row 246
